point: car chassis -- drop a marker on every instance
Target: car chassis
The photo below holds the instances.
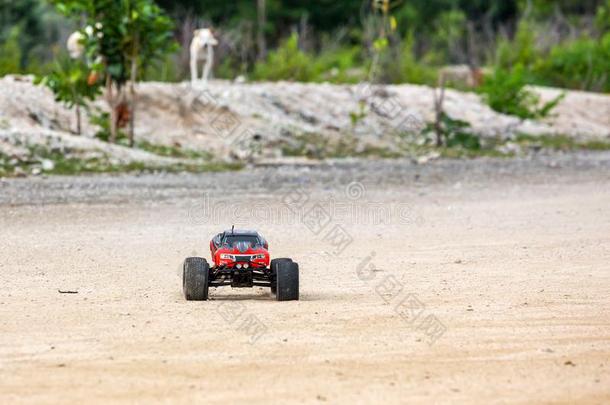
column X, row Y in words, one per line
column 241, row 278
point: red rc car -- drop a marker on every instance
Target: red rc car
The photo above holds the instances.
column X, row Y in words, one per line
column 241, row 259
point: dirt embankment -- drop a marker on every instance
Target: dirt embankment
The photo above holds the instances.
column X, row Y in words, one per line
column 241, row 121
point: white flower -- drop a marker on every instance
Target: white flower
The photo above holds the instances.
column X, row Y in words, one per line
column 99, row 25
column 89, row 30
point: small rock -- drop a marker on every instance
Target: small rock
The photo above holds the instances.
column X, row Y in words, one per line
column 422, row 160
column 47, row 165
column 569, row 363
column 19, row 172
column 553, row 165
column 510, row 148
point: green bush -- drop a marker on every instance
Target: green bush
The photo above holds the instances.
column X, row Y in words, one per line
column 506, row 92
column 399, row 64
column 581, row 64
column 455, row 133
column 412, row 70
column 10, row 54
column 519, row 51
column 339, row 65
column 287, row 62
column 602, row 17
column 450, row 28
column 69, row 82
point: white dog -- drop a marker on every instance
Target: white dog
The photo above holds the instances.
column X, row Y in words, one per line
column 202, row 49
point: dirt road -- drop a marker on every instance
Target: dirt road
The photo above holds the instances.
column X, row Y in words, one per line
column 456, row 282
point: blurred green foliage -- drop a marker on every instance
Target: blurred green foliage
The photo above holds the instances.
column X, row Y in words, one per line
column 289, row 62
column 561, row 43
column 10, row 53
column 580, row 64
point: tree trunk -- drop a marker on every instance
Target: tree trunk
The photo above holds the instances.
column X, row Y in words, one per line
column 132, row 111
column 78, row 120
column 385, row 9
column 132, row 91
column 262, row 22
column 111, row 104
column 472, row 49
column 528, row 10
column 439, row 100
column 304, row 33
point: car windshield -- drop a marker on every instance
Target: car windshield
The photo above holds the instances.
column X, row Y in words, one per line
column 232, row 240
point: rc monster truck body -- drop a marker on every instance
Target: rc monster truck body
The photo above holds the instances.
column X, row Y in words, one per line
column 241, row 260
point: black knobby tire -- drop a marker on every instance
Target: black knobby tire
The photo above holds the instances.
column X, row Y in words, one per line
column 287, row 281
column 196, row 273
column 273, row 266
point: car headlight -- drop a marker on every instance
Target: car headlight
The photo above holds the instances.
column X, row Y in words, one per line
column 225, row 256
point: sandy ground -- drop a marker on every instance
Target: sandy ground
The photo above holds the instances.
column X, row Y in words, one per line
column 478, row 286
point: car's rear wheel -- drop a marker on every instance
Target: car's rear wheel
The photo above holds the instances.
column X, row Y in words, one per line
column 287, row 281
column 274, row 264
column 195, row 277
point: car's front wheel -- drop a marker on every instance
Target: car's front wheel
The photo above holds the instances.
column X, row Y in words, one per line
column 287, row 281
column 195, row 279
column 274, row 264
